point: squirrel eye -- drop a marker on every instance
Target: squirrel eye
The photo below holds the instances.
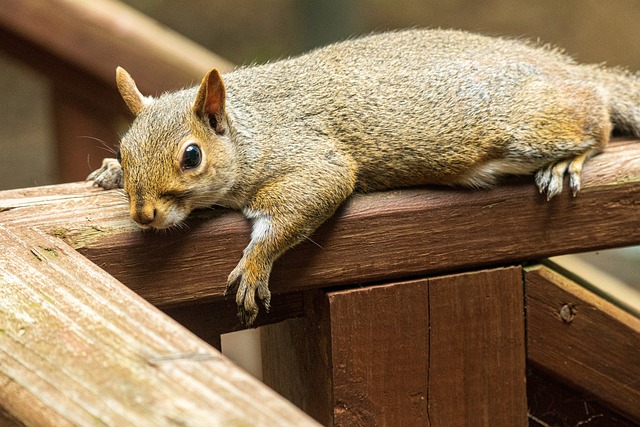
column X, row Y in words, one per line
column 191, row 157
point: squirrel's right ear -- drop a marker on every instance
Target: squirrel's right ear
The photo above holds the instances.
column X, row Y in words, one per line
column 135, row 100
column 209, row 103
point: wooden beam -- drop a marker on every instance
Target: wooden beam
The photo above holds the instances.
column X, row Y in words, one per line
column 440, row 351
column 208, row 320
column 584, row 340
column 99, row 35
column 79, row 348
column 379, row 236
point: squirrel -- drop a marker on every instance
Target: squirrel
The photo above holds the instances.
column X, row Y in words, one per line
column 288, row 141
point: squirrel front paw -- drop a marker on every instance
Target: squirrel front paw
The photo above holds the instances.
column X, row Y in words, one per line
column 249, row 280
column 108, row 176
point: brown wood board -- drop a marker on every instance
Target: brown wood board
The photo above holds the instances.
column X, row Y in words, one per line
column 438, row 351
column 477, row 349
column 79, row 348
column 374, row 237
column 584, row 340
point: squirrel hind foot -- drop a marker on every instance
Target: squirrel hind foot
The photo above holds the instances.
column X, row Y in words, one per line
column 550, row 179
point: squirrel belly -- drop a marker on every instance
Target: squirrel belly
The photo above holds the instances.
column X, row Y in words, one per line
column 287, row 142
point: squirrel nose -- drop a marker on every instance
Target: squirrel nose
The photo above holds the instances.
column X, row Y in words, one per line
column 144, row 215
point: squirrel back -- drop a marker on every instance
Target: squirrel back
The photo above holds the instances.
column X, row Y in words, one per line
column 288, row 141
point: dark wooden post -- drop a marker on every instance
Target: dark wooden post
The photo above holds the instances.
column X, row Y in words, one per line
column 442, row 351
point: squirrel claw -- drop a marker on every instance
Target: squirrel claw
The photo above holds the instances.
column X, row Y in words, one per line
column 549, row 180
column 246, row 295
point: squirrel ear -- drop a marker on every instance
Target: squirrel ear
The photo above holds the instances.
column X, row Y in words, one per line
column 209, row 103
column 130, row 93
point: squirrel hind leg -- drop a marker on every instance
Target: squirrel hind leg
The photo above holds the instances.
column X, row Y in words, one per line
column 550, row 179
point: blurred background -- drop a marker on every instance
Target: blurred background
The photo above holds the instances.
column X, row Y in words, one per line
column 255, row 31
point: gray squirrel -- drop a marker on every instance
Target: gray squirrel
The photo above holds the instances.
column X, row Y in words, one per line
column 287, row 142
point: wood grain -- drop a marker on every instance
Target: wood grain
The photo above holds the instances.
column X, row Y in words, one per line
column 373, row 237
column 296, row 358
column 380, row 355
column 584, row 340
column 79, row 348
column 477, row 349
column 383, row 235
column 439, row 351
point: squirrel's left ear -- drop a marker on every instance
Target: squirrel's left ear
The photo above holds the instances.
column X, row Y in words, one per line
column 209, row 103
column 130, row 93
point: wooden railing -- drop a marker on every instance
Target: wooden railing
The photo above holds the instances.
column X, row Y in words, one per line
column 411, row 307
column 438, row 336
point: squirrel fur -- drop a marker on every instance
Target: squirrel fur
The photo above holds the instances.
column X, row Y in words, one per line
column 287, row 142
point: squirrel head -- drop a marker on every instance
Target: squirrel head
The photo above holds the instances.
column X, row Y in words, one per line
column 177, row 154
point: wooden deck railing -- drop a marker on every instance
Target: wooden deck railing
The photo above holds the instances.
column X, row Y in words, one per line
column 423, row 343
column 412, row 307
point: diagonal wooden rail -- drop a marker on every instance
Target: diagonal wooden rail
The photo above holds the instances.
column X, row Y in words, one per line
column 79, row 348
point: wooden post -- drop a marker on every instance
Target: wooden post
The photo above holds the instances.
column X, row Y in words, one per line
column 442, row 351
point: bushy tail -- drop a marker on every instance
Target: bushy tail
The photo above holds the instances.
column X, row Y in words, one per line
column 623, row 90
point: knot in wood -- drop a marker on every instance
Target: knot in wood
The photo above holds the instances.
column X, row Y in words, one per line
column 567, row 313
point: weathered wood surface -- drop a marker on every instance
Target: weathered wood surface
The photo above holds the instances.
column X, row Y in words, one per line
column 584, row 340
column 79, row 348
column 380, row 236
column 440, row 351
column 99, row 35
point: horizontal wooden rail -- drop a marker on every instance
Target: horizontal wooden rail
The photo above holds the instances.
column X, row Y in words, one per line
column 380, row 236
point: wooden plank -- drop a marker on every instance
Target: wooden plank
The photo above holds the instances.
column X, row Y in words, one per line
column 584, row 340
column 477, row 349
column 380, row 355
column 99, row 35
column 373, row 237
column 552, row 403
column 296, row 358
column 78, row 348
column 442, row 351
